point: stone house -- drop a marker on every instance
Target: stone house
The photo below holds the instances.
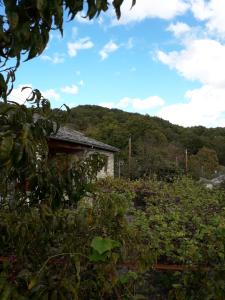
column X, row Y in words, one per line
column 74, row 142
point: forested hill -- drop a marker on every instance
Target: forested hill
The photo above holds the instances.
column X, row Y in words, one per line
column 157, row 145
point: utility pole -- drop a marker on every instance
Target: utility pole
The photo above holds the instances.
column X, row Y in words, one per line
column 129, row 157
column 119, row 168
column 176, row 162
column 186, row 161
column 202, row 170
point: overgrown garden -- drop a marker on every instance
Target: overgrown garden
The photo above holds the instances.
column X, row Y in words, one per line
column 122, row 240
column 64, row 235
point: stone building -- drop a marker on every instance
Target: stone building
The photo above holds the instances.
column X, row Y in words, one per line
column 74, row 142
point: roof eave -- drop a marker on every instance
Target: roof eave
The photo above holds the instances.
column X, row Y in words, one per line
column 109, row 148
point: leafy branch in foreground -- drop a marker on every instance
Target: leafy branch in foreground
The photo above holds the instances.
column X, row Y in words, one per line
column 26, row 172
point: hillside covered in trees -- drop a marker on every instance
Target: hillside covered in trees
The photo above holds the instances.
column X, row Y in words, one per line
column 158, row 147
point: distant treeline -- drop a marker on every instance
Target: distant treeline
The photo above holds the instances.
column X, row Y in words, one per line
column 158, row 147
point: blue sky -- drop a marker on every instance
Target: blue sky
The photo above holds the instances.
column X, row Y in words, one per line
column 164, row 58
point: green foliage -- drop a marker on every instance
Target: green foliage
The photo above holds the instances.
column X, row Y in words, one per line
column 67, row 237
column 183, row 224
column 71, row 254
column 60, row 237
column 204, row 163
column 106, row 247
column 158, row 147
column 102, row 245
column 102, row 248
column 27, row 174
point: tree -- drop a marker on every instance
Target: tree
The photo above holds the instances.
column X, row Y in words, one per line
column 204, row 163
column 26, row 172
column 25, row 26
column 191, row 140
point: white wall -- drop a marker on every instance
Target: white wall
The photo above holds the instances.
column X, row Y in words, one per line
column 109, row 171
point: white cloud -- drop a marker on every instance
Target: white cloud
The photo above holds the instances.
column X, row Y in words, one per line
column 178, row 28
column 19, row 96
column 136, row 104
column 151, row 9
column 51, row 94
column 213, row 12
column 202, row 60
column 200, row 9
column 56, row 58
column 81, row 44
column 147, row 103
column 204, row 106
column 107, row 49
column 73, row 89
column 107, row 104
column 124, row 102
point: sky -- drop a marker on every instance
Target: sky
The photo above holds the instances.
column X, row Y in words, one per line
column 164, row 58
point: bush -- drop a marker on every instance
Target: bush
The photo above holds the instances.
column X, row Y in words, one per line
column 68, row 238
column 184, row 226
column 71, row 254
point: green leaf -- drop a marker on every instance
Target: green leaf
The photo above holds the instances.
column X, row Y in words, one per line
column 133, row 3
column 6, row 147
column 125, row 278
column 96, row 257
column 92, row 9
column 3, row 86
column 13, row 19
column 139, row 297
column 40, row 4
column 32, row 283
column 6, row 293
column 117, row 4
column 102, row 245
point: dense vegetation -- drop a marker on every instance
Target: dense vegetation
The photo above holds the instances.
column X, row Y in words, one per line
column 65, row 236
column 157, row 145
column 182, row 223
column 114, row 244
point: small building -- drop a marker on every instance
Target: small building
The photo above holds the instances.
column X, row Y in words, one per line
column 70, row 141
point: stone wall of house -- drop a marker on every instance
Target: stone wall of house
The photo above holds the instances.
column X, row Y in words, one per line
column 108, row 169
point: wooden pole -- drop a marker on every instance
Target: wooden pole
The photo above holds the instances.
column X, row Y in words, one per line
column 202, row 171
column 129, row 157
column 186, row 161
column 119, row 168
column 176, row 162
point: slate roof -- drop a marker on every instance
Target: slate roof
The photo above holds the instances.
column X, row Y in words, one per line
column 70, row 135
